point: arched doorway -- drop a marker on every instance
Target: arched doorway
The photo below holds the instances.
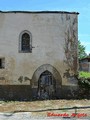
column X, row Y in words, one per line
column 46, row 71
column 46, row 86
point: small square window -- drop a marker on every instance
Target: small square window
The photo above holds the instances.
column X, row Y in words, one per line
column 2, row 63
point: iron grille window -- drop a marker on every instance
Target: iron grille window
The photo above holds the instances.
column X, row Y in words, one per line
column 25, row 42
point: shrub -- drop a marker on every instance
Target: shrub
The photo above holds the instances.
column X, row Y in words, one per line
column 84, row 85
column 83, row 74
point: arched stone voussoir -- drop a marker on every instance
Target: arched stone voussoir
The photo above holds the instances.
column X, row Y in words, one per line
column 43, row 68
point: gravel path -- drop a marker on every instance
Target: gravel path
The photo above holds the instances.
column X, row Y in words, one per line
column 45, row 109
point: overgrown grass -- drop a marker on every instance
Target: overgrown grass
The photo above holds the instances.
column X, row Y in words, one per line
column 84, row 74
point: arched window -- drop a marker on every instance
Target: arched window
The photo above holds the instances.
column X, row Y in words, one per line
column 25, row 42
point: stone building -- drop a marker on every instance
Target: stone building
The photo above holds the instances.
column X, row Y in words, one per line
column 38, row 54
column 84, row 64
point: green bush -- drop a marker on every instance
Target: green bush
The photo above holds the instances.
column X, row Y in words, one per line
column 84, row 74
column 84, row 84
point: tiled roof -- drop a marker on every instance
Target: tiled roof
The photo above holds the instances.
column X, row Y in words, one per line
column 87, row 58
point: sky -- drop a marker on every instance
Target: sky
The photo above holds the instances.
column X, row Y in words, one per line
column 81, row 6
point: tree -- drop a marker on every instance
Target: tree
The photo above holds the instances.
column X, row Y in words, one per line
column 81, row 50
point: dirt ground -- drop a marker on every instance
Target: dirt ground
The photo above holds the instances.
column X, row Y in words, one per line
column 42, row 108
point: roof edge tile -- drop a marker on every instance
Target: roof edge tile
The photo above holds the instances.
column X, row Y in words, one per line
column 64, row 12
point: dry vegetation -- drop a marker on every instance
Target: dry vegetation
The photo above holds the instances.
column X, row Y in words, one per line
column 41, row 108
column 41, row 105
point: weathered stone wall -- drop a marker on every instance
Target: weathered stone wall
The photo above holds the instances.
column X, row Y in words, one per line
column 15, row 92
column 54, row 41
